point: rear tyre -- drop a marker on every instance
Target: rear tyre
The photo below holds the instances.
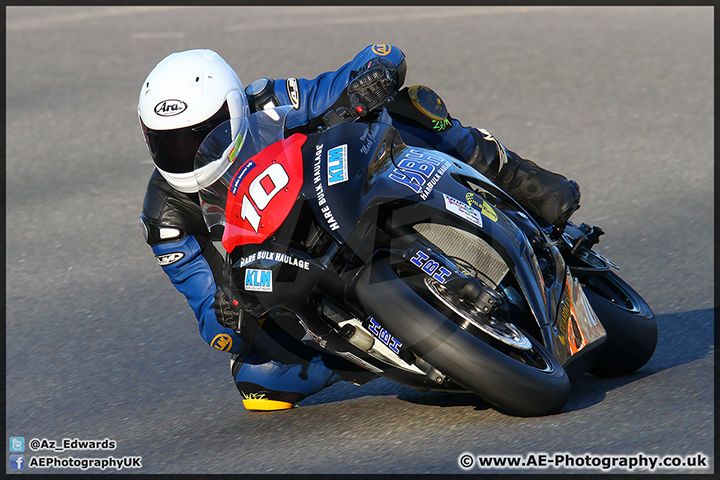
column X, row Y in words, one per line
column 523, row 379
column 629, row 322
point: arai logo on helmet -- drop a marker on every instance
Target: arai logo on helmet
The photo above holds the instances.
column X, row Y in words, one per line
column 168, row 108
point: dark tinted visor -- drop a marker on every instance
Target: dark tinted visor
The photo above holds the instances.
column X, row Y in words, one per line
column 174, row 150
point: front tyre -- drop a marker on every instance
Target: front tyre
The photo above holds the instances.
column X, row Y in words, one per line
column 525, row 381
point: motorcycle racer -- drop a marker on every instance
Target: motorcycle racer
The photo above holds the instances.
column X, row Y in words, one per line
column 188, row 93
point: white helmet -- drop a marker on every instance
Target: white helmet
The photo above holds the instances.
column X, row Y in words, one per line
column 181, row 101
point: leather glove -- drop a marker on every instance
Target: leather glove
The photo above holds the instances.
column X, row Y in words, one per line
column 227, row 308
column 374, row 85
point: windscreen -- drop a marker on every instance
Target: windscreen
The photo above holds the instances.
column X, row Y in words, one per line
column 227, row 149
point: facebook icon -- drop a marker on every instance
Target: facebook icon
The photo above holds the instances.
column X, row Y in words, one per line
column 17, row 462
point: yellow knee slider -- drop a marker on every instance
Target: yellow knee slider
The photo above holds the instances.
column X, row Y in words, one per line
column 265, row 404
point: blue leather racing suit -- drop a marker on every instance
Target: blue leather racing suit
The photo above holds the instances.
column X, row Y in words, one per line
column 275, row 364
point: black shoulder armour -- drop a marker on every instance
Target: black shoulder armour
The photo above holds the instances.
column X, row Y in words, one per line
column 169, row 215
column 261, row 93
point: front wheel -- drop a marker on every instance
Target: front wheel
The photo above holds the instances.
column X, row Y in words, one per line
column 628, row 320
column 519, row 378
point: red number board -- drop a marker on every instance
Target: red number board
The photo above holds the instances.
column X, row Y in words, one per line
column 263, row 192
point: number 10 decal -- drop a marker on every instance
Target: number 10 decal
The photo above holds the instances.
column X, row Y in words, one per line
column 263, row 193
column 275, row 178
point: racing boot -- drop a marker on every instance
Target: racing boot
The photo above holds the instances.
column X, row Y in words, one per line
column 548, row 195
column 277, row 370
column 256, row 397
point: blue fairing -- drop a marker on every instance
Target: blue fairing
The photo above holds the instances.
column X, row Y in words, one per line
column 406, row 177
column 193, row 277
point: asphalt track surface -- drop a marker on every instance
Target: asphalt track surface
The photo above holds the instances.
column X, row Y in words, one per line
column 100, row 345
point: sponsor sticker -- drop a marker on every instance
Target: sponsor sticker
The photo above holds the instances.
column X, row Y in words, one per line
column 258, row 280
column 169, row 259
column 320, row 190
column 276, row 257
column 420, row 171
column 359, row 361
column 337, row 166
column 236, row 147
column 369, row 137
column 169, row 108
column 384, row 336
column 462, row 210
column 476, row 201
column 431, row 267
column 241, row 175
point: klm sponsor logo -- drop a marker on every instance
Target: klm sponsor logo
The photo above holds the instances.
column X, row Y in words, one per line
column 258, row 280
column 337, row 165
